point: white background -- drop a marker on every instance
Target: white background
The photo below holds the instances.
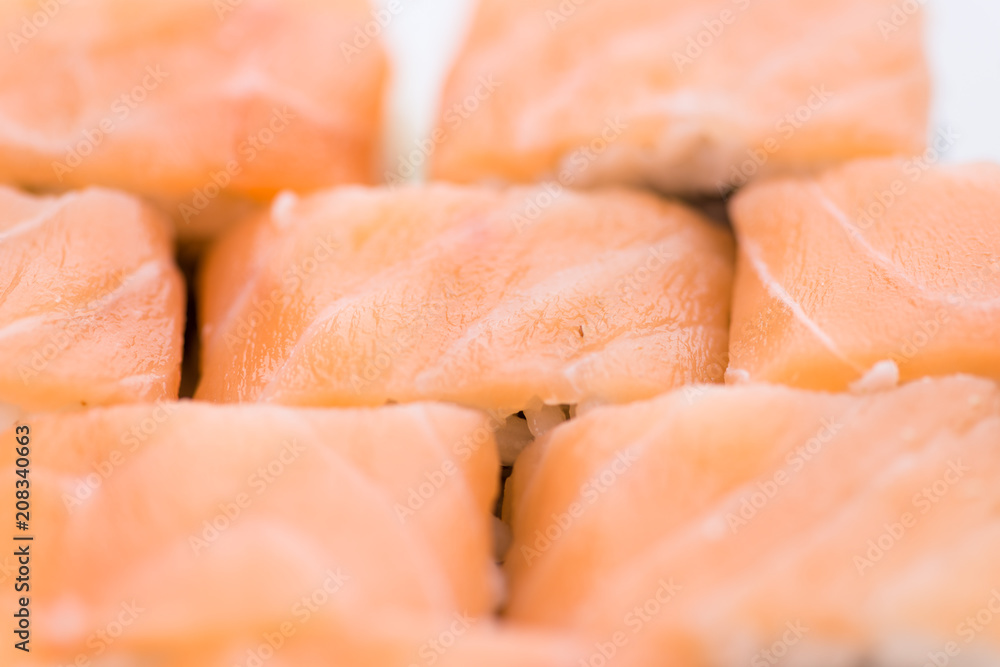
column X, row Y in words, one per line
column 963, row 43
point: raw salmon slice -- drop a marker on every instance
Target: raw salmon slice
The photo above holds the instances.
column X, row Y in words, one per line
column 198, row 525
column 877, row 261
column 200, row 105
column 499, row 300
column 766, row 525
column 91, row 303
column 682, row 95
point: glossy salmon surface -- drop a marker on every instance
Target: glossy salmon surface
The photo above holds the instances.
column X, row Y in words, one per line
column 887, row 268
column 500, row 300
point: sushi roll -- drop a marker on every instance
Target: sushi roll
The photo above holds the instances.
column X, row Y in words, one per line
column 198, row 529
column 685, row 96
column 872, row 273
column 766, row 525
column 501, row 300
column 91, row 303
column 203, row 106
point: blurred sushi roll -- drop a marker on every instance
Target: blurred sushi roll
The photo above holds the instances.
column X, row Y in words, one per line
column 204, row 107
column 682, row 96
column 767, row 525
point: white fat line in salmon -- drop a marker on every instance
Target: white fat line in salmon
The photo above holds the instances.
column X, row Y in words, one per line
column 898, row 17
column 300, row 614
column 965, row 297
column 78, row 322
column 121, row 109
column 32, row 25
column 248, row 150
column 589, row 492
column 634, row 622
column 365, row 35
column 795, row 461
column 922, row 502
column 785, row 128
